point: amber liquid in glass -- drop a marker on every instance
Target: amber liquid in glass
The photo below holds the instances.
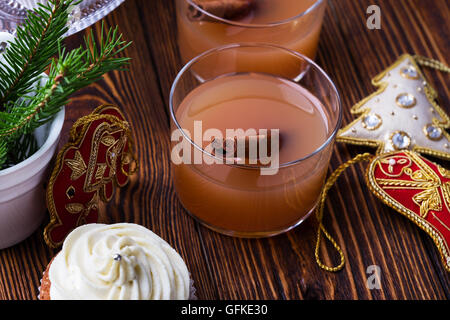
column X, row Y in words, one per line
column 240, row 200
column 300, row 34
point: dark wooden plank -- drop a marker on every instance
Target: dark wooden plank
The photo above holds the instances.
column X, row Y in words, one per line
column 161, row 37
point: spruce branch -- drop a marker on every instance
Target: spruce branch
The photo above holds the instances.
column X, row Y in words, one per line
column 3, row 152
column 28, row 56
column 69, row 71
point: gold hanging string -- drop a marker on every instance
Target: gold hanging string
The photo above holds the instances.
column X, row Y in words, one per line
column 319, row 212
column 431, row 63
column 429, row 91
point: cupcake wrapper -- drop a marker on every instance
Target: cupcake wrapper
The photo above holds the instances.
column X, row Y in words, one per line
column 192, row 290
column 39, row 288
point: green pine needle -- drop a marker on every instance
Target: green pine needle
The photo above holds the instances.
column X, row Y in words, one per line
column 24, row 106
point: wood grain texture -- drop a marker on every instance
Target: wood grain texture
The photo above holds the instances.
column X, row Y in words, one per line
column 281, row 267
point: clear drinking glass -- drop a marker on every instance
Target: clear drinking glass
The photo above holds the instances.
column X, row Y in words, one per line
column 236, row 199
column 298, row 29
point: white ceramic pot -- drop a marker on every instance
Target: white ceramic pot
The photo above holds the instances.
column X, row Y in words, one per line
column 22, row 194
column 22, row 197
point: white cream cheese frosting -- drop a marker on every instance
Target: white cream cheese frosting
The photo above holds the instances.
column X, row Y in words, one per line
column 117, row 261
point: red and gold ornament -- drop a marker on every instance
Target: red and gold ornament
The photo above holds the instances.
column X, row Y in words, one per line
column 417, row 188
column 98, row 157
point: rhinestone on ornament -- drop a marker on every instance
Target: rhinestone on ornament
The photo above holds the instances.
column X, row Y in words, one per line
column 406, row 100
column 409, row 72
column 432, row 132
column 400, row 140
column 117, row 257
column 371, row 121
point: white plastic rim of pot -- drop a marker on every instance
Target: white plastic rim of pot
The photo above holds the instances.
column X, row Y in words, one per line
column 22, row 193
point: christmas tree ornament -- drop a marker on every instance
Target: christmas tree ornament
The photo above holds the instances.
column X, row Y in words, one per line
column 402, row 120
column 98, row 157
column 401, row 115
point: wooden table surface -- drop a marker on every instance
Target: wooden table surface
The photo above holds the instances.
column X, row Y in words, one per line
column 282, row 267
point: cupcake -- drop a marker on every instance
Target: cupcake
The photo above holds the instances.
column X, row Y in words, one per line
column 119, row 262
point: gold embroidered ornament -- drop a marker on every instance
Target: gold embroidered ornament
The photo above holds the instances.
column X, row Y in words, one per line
column 401, row 119
column 98, row 157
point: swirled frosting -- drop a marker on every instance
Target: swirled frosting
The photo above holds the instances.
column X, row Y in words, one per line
column 117, row 261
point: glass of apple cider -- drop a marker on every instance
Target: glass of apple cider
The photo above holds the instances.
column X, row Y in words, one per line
column 206, row 24
column 251, row 148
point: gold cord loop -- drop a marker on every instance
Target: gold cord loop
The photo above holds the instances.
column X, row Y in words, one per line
column 319, row 212
column 431, row 63
column 429, row 91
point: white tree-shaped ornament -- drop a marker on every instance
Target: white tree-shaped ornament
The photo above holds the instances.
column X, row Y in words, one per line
column 401, row 115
